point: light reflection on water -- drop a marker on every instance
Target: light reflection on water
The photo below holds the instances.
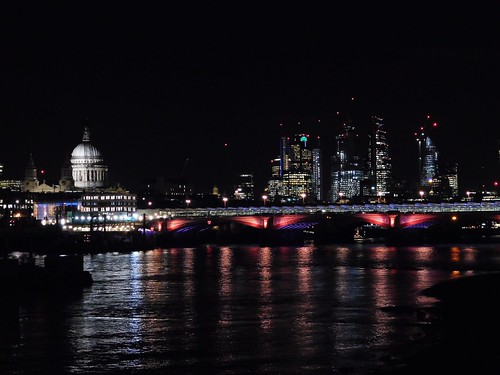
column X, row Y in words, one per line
column 237, row 309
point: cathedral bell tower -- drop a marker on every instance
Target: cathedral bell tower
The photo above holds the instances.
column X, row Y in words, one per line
column 30, row 179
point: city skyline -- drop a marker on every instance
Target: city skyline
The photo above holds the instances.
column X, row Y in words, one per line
column 201, row 94
column 371, row 169
column 483, row 176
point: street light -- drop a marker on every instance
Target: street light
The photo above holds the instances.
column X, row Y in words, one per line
column 225, row 201
column 421, row 194
column 264, row 198
column 303, row 195
column 188, row 201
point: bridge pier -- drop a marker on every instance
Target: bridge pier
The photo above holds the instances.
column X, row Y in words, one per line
column 231, row 233
column 401, row 236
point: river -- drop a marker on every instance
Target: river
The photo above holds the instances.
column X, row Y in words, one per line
column 332, row 309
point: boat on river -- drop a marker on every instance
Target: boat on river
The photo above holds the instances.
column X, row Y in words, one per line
column 58, row 273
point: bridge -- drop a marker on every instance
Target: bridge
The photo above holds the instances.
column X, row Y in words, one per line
column 327, row 223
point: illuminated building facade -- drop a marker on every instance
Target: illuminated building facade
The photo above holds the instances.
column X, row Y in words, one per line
column 347, row 166
column 54, row 208
column 294, row 184
column 108, row 201
column 104, row 211
column 379, row 161
column 273, row 188
column 16, row 205
column 275, row 168
column 88, row 168
column 430, row 163
column 284, row 156
column 427, row 157
column 445, row 185
column 316, row 188
column 297, row 172
column 244, row 190
column 14, row 185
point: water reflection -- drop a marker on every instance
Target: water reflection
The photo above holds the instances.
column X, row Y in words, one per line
column 265, row 277
column 235, row 308
column 225, row 331
column 304, row 321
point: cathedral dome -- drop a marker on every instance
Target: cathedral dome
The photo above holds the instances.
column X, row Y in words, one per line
column 88, row 168
column 85, row 152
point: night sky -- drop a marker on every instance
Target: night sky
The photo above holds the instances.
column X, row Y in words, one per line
column 206, row 93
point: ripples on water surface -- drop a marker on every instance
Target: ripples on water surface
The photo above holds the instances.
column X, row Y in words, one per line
column 236, row 309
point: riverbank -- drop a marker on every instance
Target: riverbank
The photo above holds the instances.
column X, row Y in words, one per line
column 460, row 331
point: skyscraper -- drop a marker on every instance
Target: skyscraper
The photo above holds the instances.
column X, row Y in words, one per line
column 273, row 187
column 244, row 189
column 430, row 163
column 317, row 180
column 427, row 156
column 347, row 165
column 284, row 156
column 379, row 162
column 297, row 179
column 445, row 185
column 296, row 170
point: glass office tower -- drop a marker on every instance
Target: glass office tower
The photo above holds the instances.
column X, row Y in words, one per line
column 347, row 165
column 427, row 156
column 379, row 161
